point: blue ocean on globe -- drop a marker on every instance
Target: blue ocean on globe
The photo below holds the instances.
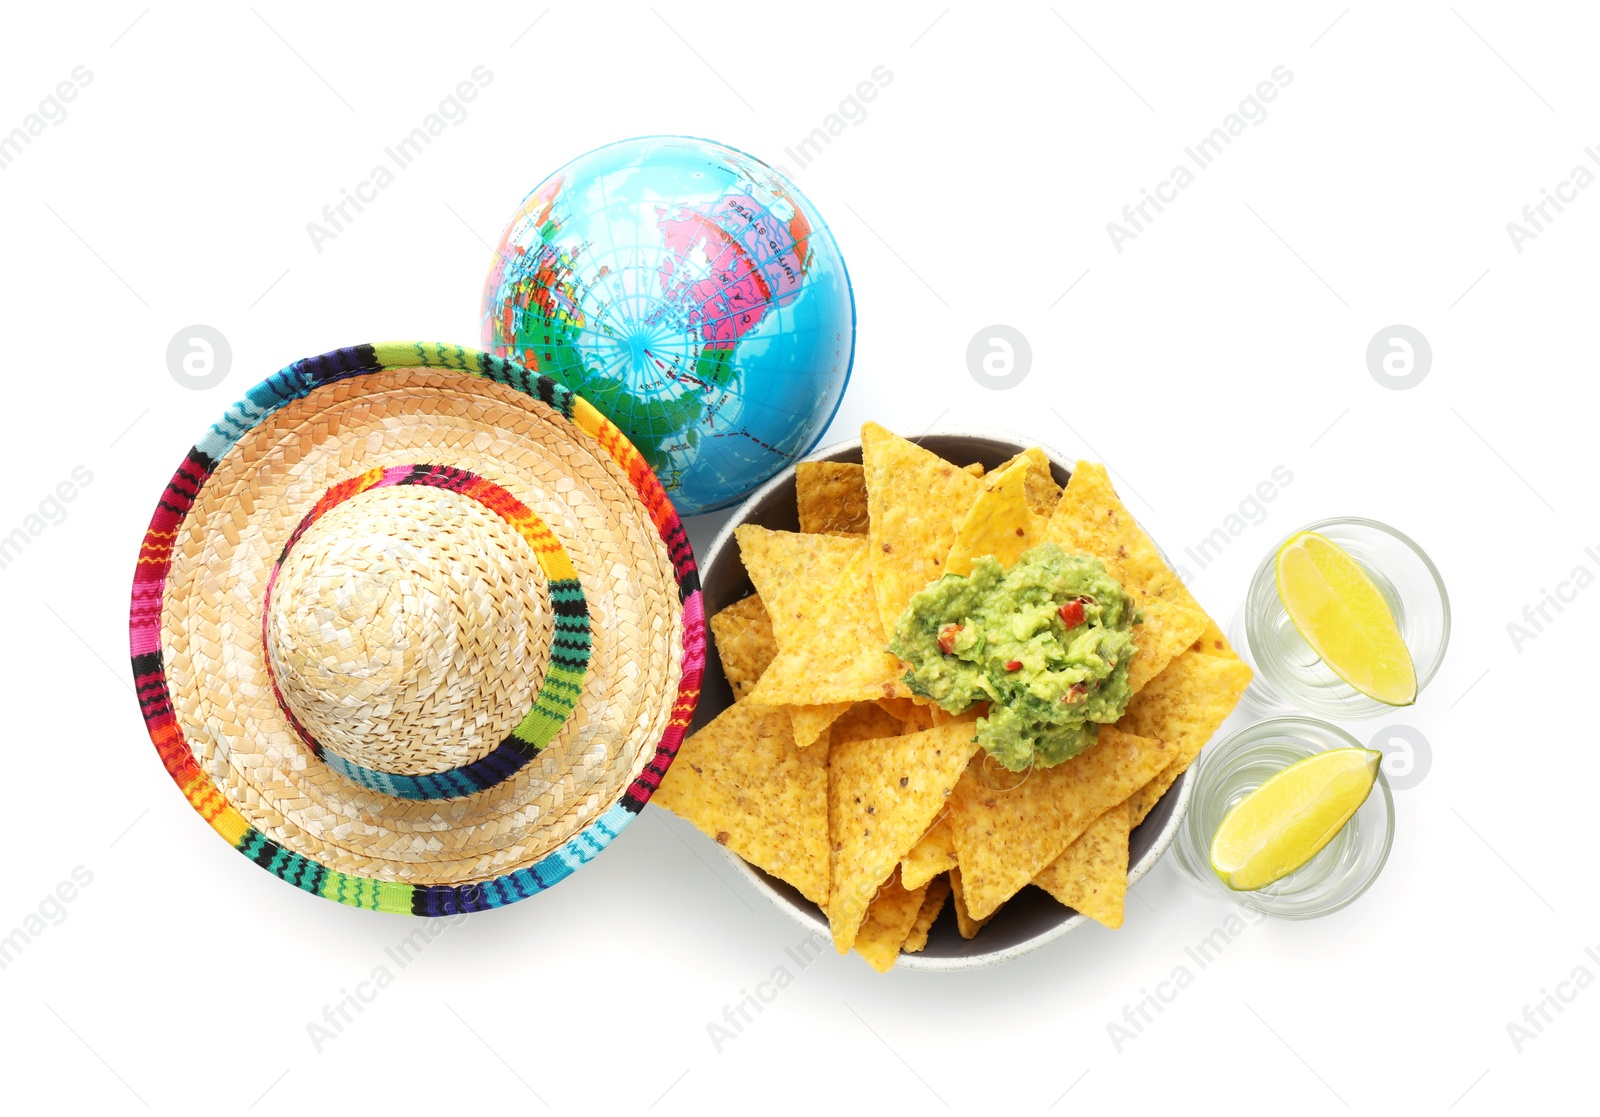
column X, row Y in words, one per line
column 693, row 295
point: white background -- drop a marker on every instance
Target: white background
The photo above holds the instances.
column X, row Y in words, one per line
column 1226, row 339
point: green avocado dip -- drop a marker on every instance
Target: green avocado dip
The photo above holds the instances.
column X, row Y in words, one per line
column 1046, row 644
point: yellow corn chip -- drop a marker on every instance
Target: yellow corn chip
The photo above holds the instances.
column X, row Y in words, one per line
column 890, row 917
column 786, row 567
column 818, row 591
column 1092, row 520
column 932, row 904
column 969, row 716
column 917, row 500
column 934, row 854
column 832, row 497
column 865, row 721
column 1042, row 491
column 913, row 716
column 810, row 722
column 1166, row 633
column 741, row 781
column 743, row 636
column 974, row 468
column 1004, row 837
column 882, row 795
column 998, row 523
column 967, row 925
column 1184, row 705
column 1091, row 875
column 902, row 708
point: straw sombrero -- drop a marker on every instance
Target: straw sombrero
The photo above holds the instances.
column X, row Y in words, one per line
column 416, row 629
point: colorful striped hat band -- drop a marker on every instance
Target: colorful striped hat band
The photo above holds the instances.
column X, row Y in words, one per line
column 357, row 611
column 415, row 629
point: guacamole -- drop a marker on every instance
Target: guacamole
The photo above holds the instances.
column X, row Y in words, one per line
column 1046, row 644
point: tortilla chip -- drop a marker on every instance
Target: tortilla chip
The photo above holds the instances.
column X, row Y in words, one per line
column 1040, row 488
column 1003, row 838
column 890, row 917
column 913, row 716
column 1091, row 519
column 917, row 502
column 935, row 853
column 785, row 568
column 810, row 722
column 1091, row 876
column 742, row 634
column 998, row 523
column 932, row 904
column 904, row 709
column 818, row 590
column 832, row 497
column 967, row 925
column 969, row 716
column 883, row 793
column 865, row 721
column 742, row 782
column 974, row 468
column 1184, row 705
column 1166, row 633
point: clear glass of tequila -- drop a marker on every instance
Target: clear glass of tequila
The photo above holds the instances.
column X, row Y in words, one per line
column 1236, row 766
column 1289, row 675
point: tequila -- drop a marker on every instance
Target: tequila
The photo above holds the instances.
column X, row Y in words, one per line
column 1289, row 675
column 1236, row 766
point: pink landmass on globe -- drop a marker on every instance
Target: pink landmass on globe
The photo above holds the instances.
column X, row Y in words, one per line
column 756, row 260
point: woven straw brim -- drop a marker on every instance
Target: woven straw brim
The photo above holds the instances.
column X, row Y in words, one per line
column 203, row 673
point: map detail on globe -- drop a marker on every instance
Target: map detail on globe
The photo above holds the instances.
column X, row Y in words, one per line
column 691, row 294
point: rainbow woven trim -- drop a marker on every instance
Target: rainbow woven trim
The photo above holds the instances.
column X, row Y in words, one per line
column 149, row 674
column 569, row 651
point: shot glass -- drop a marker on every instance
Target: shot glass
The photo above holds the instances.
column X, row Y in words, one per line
column 1289, row 675
column 1236, row 766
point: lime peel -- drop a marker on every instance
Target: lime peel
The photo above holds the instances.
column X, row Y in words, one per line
column 1284, row 823
column 1342, row 615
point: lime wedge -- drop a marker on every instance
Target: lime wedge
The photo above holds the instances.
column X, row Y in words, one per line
column 1344, row 618
column 1286, row 821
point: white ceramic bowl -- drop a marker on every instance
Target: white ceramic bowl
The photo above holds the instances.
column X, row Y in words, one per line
column 1030, row 919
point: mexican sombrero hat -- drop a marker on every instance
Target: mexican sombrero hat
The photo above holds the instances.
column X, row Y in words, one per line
column 415, row 629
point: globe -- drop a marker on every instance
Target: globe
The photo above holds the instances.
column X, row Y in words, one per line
column 688, row 292
column 691, row 294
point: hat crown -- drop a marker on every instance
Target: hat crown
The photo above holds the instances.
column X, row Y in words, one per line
column 408, row 630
